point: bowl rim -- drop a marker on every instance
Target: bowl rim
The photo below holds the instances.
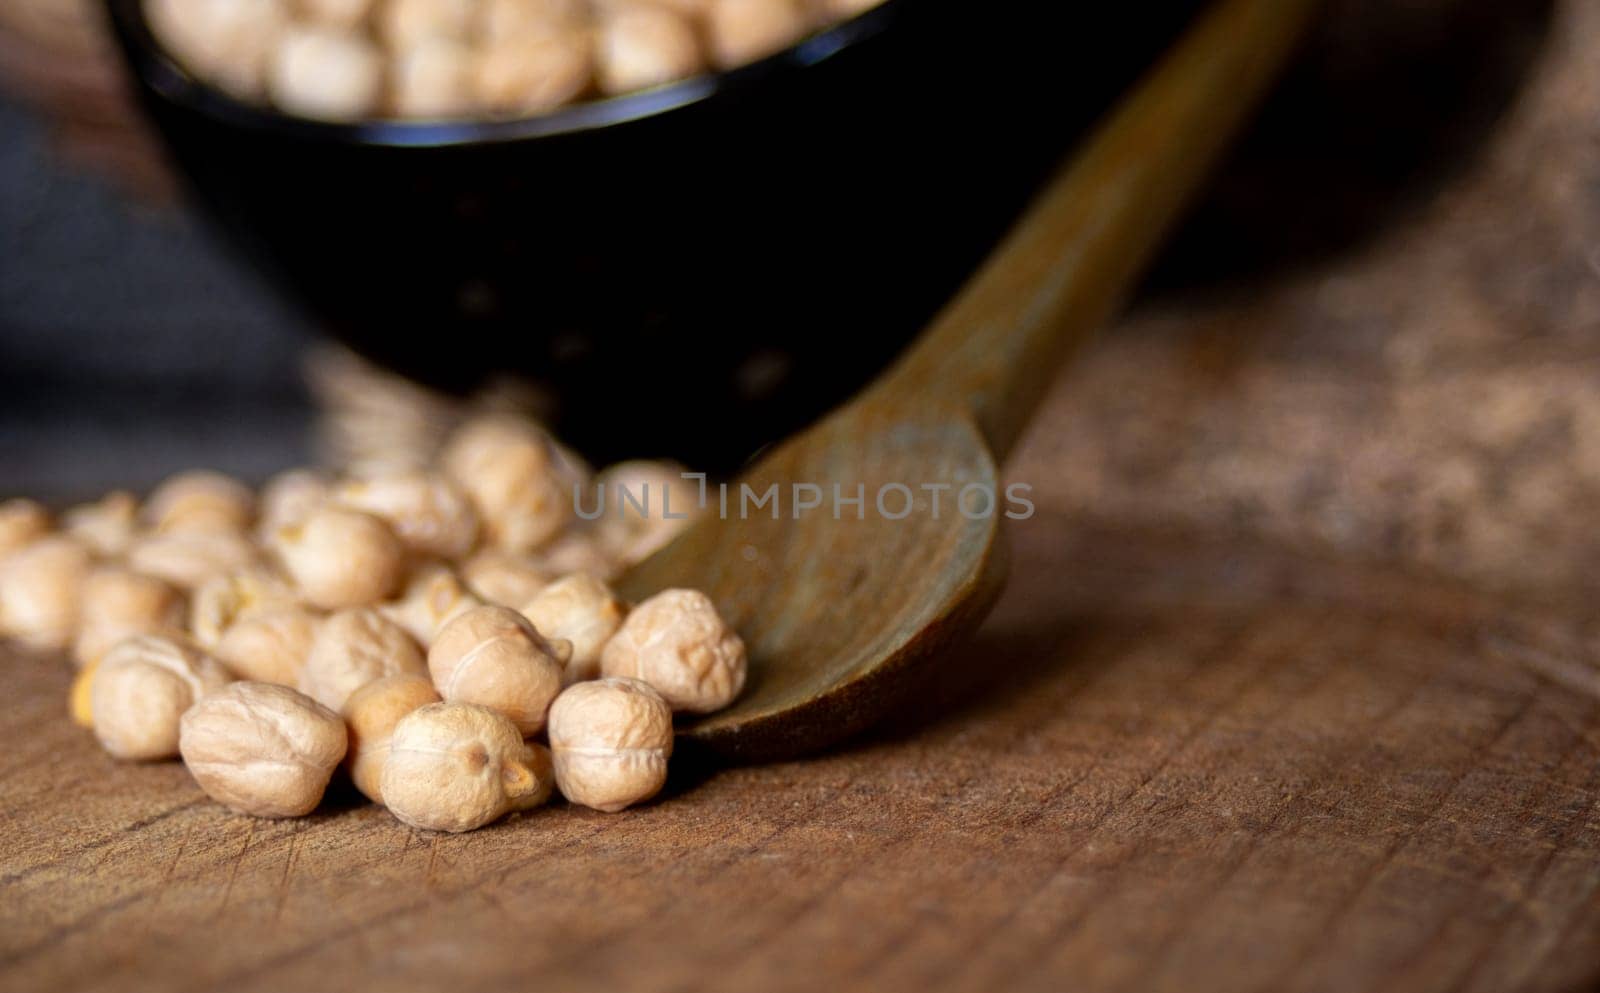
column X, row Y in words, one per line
column 163, row 74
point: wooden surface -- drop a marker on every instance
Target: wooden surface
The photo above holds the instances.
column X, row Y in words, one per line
column 1200, row 766
column 1294, row 688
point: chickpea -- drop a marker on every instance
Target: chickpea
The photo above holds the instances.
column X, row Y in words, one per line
column 641, row 45
column 534, row 73
column 40, row 586
column 353, row 648
column 580, row 609
column 694, row 10
column 342, row 558
column 839, row 10
column 143, row 687
column 576, row 551
column 107, row 526
column 428, row 513
column 342, row 14
column 433, row 597
column 80, row 701
column 201, row 503
column 503, row 20
column 647, row 504
column 513, row 476
column 567, row 465
column 504, row 579
column 434, row 79
column 188, row 560
column 261, row 749
column 118, row 603
column 745, row 31
column 270, row 646
column 611, row 740
column 326, row 74
column 228, row 42
column 222, row 601
column 371, row 714
column 404, row 24
column 21, row 523
column 288, row 498
column 456, row 767
column 493, row 657
column 678, row 643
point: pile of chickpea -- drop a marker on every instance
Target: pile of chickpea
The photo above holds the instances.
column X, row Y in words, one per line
column 347, row 60
column 446, row 635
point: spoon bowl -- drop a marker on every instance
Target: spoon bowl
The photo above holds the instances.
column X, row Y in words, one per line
column 841, row 604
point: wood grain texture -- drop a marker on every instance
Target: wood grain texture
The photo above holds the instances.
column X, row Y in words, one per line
column 1292, row 690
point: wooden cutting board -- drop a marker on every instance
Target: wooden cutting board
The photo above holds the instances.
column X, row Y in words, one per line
column 1190, row 765
column 1294, row 688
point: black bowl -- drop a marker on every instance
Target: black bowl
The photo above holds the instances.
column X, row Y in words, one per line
column 691, row 271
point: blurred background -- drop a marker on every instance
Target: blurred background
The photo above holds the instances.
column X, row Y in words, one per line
column 1418, row 199
column 129, row 345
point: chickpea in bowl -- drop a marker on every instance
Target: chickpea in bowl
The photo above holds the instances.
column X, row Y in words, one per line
column 343, row 60
column 691, row 270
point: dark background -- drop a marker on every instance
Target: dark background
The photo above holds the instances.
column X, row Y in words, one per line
column 133, row 345
column 129, row 346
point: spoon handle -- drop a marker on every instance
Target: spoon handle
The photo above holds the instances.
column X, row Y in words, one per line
column 1061, row 273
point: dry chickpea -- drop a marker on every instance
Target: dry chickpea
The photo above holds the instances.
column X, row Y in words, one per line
column 678, row 643
column 188, row 561
column 533, row 73
column 40, row 586
column 261, row 749
column 404, row 24
column 503, row 578
column 567, row 465
column 456, row 767
column 227, row 41
column 353, row 648
column 744, row 31
column 838, row 10
column 143, row 687
column 21, row 523
column 108, row 526
column 433, row 597
column 80, row 701
column 434, row 79
column 326, row 74
column 202, row 503
column 428, row 513
column 514, row 478
column 493, row 657
column 580, row 609
column 117, row 603
column 288, row 498
column 647, row 504
column 576, row 551
column 502, row 20
column 270, row 646
column 371, row 714
column 611, row 740
column 341, row 558
column 345, row 14
column 224, row 600
column 640, row 45
column 694, row 10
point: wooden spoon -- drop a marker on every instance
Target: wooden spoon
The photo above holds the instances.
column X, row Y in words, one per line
column 841, row 605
